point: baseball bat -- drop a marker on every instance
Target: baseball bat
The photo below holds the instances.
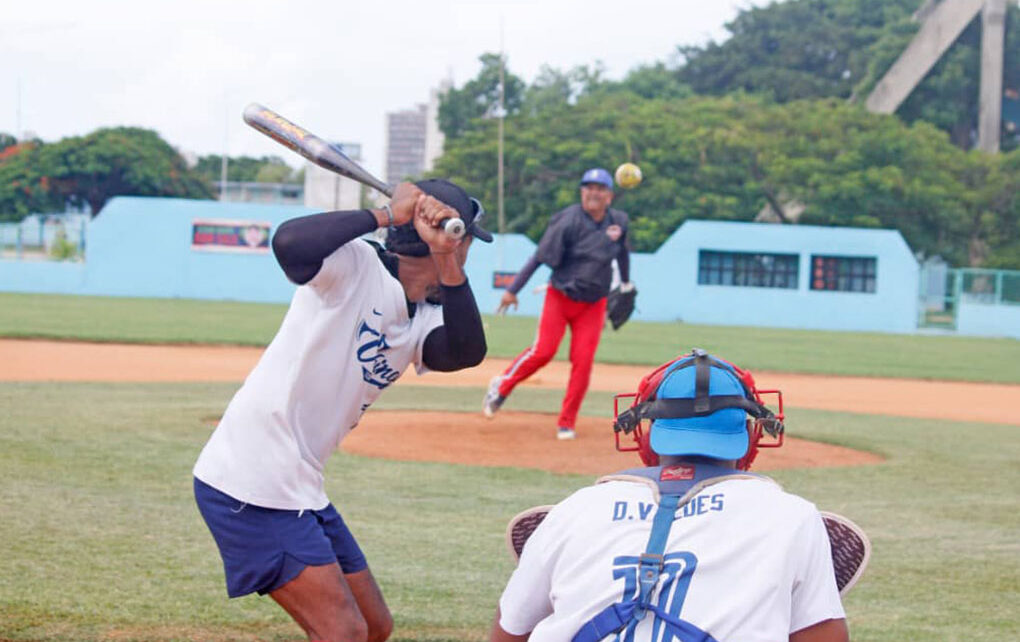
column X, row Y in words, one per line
column 323, row 154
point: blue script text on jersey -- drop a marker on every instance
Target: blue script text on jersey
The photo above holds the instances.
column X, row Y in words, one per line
column 377, row 371
column 697, row 506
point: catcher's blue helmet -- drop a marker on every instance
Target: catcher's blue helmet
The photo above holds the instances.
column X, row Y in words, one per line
column 699, row 405
column 721, row 434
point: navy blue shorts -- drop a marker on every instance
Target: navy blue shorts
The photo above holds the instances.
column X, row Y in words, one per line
column 264, row 548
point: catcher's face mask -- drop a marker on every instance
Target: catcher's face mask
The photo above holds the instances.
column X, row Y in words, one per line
column 653, row 401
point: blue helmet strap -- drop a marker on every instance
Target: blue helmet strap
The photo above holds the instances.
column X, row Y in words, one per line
column 622, row 617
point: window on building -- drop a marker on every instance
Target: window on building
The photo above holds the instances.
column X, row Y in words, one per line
column 843, row 273
column 748, row 269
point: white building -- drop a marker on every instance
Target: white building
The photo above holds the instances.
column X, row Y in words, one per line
column 326, row 191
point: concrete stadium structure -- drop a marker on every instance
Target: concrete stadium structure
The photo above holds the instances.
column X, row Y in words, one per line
column 707, row 272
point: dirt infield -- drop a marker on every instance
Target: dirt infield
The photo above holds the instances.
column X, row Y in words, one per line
column 516, row 439
column 525, row 440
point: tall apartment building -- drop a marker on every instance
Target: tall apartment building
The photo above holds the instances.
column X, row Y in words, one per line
column 405, row 143
column 413, row 138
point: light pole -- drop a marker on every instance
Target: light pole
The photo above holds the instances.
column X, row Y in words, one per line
column 501, row 116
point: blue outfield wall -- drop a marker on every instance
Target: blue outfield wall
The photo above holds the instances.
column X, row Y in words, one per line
column 44, row 277
column 668, row 279
column 988, row 319
column 506, row 254
column 142, row 247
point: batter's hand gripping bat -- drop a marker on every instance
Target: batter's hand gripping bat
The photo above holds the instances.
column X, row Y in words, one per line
column 324, row 155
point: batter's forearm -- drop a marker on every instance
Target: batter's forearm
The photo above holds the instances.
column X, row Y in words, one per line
column 460, row 341
column 450, row 270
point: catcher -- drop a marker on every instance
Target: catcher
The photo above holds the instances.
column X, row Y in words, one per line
column 691, row 547
column 360, row 316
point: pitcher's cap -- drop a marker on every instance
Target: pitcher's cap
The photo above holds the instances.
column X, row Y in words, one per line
column 597, row 175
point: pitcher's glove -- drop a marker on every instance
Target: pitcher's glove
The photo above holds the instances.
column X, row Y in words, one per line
column 620, row 304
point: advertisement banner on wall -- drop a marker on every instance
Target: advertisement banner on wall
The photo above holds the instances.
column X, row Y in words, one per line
column 502, row 280
column 220, row 235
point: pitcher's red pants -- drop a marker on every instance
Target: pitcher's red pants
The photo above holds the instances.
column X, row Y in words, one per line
column 585, row 321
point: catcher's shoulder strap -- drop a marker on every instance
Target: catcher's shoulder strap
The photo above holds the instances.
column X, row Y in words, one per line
column 686, row 480
column 673, row 487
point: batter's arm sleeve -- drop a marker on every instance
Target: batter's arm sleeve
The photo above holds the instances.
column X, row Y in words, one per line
column 525, row 273
column 460, row 342
column 301, row 244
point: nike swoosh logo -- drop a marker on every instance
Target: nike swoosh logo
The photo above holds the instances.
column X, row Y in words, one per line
column 376, row 312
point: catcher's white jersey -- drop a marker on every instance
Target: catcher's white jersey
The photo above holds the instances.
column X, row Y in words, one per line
column 745, row 562
column 346, row 337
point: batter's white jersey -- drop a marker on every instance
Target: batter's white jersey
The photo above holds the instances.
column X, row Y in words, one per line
column 346, row 337
column 745, row 562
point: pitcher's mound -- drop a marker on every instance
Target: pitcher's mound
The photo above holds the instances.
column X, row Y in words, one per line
column 528, row 440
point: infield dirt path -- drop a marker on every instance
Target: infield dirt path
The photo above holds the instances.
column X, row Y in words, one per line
column 517, row 439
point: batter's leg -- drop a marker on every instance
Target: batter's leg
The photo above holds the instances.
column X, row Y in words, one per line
column 325, row 605
column 371, row 604
column 585, row 332
column 551, row 326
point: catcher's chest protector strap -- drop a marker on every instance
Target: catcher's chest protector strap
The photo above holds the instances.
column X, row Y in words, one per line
column 676, row 485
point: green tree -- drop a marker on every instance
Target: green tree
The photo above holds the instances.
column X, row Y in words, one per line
column 652, row 81
column 460, row 108
column 851, row 167
column 24, row 183
column 995, row 221
column 725, row 158
column 794, row 50
column 274, row 173
column 6, row 140
column 554, row 88
column 842, row 48
column 89, row 170
column 246, row 169
column 546, row 153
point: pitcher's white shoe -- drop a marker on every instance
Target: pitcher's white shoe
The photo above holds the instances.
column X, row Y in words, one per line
column 493, row 400
column 565, row 433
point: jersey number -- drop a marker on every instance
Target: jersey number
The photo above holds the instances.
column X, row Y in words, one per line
column 671, row 592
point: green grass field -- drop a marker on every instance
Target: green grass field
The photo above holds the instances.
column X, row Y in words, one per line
column 101, row 540
column 845, row 353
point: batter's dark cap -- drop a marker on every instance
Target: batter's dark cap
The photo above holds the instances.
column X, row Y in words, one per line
column 470, row 209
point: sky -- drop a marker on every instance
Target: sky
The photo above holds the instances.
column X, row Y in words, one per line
column 187, row 68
